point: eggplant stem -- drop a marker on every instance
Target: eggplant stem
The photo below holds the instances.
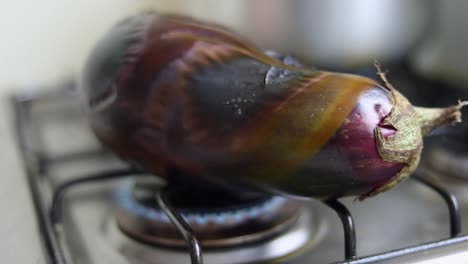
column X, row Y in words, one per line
column 432, row 118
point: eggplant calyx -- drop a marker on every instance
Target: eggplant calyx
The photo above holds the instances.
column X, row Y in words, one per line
column 411, row 123
column 404, row 146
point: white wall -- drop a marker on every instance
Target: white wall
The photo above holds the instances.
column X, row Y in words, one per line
column 42, row 42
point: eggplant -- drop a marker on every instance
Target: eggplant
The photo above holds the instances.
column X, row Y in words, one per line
column 170, row 93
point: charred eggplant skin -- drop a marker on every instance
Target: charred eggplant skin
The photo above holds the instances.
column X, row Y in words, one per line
column 169, row 92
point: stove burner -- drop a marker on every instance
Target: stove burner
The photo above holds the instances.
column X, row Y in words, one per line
column 218, row 223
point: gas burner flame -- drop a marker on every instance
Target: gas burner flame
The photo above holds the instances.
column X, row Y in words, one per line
column 221, row 226
column 126, row 199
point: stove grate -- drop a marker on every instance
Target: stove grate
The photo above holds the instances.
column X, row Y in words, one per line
column 36, row 164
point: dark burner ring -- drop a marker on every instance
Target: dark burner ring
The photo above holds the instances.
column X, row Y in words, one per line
column 232, row 224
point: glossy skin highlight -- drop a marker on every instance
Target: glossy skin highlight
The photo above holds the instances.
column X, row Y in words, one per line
column 171, row 93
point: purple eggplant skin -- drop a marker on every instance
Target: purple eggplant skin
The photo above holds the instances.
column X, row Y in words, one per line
column 170, row 93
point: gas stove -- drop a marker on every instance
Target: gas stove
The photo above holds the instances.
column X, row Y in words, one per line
column 92, row 208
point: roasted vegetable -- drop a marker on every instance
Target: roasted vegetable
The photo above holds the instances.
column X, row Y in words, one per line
column 170, row 93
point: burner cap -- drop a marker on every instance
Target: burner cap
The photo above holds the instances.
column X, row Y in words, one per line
column 216, row 219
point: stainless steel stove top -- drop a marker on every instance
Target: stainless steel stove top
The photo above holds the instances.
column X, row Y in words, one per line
column 410, row 224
